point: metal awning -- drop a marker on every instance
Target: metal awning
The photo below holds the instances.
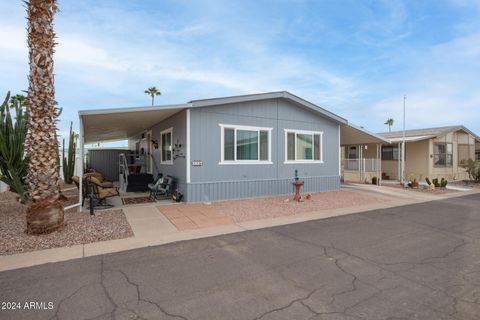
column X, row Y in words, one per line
column 350, row 134
column 122, row 123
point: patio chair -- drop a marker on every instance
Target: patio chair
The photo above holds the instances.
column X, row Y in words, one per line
column 101, row 190
column 158, row 180
column 104, row 183
column 163, row 188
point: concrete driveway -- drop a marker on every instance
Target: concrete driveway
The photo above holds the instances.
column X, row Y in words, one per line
column 420, row 261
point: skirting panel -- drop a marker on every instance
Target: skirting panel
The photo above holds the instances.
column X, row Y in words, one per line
column 210, row 191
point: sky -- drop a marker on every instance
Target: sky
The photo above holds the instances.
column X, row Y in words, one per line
column 355, row 58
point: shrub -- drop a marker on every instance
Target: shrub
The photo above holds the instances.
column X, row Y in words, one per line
column 472, row 168
column 435, row 183
column 428, row 181
column 443, row 183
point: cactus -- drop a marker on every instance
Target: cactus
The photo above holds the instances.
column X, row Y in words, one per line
column 68, row 162
column 428, row 181
column 443, row 183
column 13, row 161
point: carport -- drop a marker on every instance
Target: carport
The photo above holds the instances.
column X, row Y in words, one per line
column 102, row 125
column 361, row 153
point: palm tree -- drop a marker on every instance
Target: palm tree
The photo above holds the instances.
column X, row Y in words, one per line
column 45, row 206
column 152, row 92
column 389, row 122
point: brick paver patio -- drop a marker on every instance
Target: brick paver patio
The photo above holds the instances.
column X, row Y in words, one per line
column 194, row 216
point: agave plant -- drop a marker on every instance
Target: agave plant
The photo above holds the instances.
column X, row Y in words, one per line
column 13, row 128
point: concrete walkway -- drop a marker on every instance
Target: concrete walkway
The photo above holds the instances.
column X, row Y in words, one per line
column 152, row 228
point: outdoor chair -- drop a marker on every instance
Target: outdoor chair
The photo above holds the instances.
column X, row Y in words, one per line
column 163, row 188
column 101, row 189
column 156, row 182
column 101, row 179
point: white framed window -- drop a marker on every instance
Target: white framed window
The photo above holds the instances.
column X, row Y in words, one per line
column 166, row 138
column 245, row 144
column 303, row 146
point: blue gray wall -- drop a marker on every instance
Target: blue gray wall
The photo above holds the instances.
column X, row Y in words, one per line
column 178, row 168
column 105, row 161
column 212, row 181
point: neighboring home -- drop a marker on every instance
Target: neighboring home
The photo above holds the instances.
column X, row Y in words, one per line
column 431, row 152
column 232, row 147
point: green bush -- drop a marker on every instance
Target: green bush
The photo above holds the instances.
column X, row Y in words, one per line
column 13, row 130
column 443, row 183
column 472, row 168
column 435, row 183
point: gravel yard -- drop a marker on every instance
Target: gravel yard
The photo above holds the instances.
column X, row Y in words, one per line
column 201, row 215
column 81, row 228
column 421, row 188
column 278, row 206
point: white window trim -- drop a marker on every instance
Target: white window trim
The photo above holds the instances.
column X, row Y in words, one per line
column 320, row 133
column 168, row 162
column 249, row 128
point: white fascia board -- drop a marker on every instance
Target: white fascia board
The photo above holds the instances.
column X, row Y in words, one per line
column 132, row 109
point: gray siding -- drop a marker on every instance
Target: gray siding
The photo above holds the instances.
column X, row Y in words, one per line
column 105, row 161
column 210, row 191
column 178, row 168
column 212, row 181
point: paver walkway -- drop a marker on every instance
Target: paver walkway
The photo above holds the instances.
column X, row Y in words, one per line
column 194, row 216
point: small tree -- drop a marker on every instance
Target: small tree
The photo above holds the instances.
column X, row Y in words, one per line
column 472, row 168
column 152, row 92
column 389, row 123
column 13, row 162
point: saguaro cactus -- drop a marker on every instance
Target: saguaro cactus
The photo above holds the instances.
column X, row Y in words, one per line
column 68, row 162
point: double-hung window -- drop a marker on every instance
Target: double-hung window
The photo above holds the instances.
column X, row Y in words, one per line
column 443, row 156
column 245, row 145
column 303, row 146
column 166, row 146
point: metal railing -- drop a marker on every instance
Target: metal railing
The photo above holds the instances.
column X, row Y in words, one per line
column 123, row 166
column 365, row 165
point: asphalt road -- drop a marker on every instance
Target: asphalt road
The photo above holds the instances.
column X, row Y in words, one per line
column 413, row 262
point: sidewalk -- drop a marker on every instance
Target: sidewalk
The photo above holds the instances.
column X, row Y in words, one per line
column 152, row 228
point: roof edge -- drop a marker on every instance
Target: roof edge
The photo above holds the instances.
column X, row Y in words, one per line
column 368, row 132
column 132, row 109
column 268, row 95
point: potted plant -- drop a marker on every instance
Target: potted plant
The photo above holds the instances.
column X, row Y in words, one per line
column 414, row 183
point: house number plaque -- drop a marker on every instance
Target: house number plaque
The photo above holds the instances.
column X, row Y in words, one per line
column 197, row 163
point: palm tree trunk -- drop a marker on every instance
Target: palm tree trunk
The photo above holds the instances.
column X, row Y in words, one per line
column 45, row 208
column 153, row 100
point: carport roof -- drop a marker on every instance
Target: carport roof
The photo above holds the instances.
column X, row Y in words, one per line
column 351, row 134
column 426, row 133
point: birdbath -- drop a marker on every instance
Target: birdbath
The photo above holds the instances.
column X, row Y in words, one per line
column 298, row 185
